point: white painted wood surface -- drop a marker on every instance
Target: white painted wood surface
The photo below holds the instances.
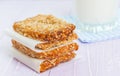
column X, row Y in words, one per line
column 97, row 59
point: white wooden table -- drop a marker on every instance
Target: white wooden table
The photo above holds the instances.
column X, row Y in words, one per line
column 97, row 59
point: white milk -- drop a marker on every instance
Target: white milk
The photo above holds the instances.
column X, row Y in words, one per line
column 96, row 11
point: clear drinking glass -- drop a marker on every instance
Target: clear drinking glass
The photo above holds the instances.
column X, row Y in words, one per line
column 97, row 15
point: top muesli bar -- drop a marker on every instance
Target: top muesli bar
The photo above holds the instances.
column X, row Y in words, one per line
column 44, row 28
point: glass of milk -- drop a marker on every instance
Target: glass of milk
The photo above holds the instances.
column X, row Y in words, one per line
column 97, row 15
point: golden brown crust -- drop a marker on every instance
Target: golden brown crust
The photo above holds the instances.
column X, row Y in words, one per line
column 48, row 45
column 44, row 28
column 54, row 62
column 51, row 54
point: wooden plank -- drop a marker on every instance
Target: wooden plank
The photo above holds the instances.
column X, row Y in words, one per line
column 63, row 70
